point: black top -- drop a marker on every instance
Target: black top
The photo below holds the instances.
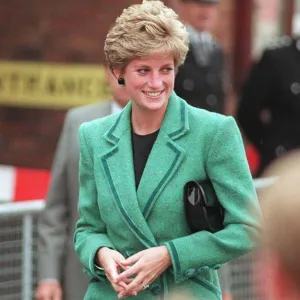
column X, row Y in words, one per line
column 141, row 146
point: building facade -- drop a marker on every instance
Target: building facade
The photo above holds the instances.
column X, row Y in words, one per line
column 73, row 32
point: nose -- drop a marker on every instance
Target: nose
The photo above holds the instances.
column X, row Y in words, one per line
column 155, row 81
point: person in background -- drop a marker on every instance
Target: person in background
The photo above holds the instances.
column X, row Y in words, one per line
column 279, row 264
column 201, row 80
column 59, row 271
column 132, row 235
column 269, row 107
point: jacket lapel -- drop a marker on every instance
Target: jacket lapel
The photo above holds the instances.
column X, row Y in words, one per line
column 117, row 163
column 166, row 155
column 164, row 160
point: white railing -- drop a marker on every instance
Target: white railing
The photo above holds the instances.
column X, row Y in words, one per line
column 261, row 183
column 27, row 210
column 21, row 208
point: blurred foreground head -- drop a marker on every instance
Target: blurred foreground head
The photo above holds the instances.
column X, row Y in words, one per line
column 281, row 235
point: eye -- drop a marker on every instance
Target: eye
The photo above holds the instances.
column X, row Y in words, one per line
column 143, row 70
column 167, row 69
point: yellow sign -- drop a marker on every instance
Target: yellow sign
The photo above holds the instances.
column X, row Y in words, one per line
column 51, row 85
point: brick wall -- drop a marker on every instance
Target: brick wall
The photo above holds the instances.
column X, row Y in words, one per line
column 58, row 31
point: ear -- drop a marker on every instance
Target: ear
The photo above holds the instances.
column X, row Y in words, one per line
column 117, row 73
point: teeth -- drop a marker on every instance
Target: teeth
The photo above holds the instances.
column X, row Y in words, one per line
column 153, row 94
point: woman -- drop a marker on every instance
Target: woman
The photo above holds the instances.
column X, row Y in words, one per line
column 132, row 235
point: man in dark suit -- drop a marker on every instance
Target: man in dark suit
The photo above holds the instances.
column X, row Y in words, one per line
column 200, row 81
column 60, row 274
column 269, row 109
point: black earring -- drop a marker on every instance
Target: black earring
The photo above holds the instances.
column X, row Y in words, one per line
column 121, row 81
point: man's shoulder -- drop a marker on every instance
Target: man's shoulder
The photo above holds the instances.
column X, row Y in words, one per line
column 99, row 126
column 279, row 54
column 279, row 46
column 89, row 112
column 214, row 43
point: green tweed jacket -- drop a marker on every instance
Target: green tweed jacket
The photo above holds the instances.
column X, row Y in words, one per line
column 192, row 144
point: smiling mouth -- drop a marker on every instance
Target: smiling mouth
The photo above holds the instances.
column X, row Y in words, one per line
column 153, row 94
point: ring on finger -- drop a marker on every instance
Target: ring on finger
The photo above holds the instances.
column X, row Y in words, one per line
column 145, row 286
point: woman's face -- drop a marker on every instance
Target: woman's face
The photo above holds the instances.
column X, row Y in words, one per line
column 150, row 81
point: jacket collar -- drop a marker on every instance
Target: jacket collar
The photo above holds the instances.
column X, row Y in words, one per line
column 175, row 122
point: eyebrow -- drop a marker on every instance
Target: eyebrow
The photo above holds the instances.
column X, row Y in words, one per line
column 148, row 66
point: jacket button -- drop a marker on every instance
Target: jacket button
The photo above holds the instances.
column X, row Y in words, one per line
column 190, row 272
column 216, row 267
column 155, row 290
column 201, row 269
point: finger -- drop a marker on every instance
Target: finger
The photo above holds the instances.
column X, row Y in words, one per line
column 112, row 272
column 128, row 280
column 121, row 283
column 109, row 277
column 121, row 267
column 120, row 261
column 120, row 257
column 151, row 278
column 131, row 260
column 140, row 287
column 125, row 281
column 128, row 273
column 136, row 284
column 145, row 282
column 124, row 267
column 118, row 289
column 123, row 295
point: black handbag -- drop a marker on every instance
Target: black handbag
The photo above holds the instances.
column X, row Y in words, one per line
column 203, row 210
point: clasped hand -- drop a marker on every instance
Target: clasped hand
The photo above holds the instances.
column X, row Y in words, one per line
column 129, row 276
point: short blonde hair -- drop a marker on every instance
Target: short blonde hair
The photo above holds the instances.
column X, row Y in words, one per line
column 145, row 29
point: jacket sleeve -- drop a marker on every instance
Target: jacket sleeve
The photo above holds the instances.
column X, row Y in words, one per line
column 53, row 222
column 227, row 168
column 256, row 95
column 90, row 233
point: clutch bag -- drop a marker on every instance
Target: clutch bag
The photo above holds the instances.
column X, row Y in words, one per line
column 203, row 210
